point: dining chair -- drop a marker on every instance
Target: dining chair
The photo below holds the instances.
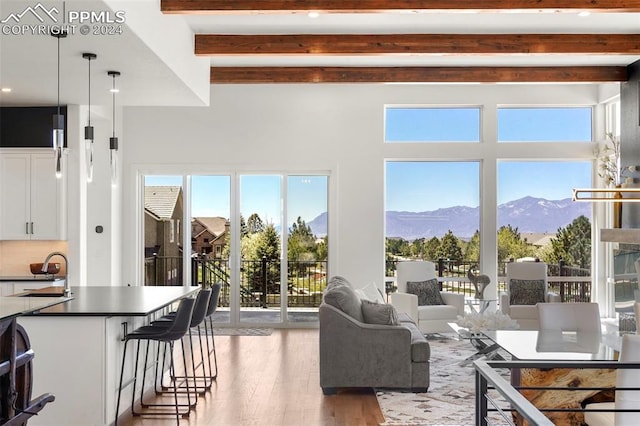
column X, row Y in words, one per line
column 569, row 317
column 624, row 399
column 526, row 286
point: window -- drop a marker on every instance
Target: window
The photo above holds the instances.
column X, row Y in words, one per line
column 243, row 215
column 432, row 211
column 545, row 124
column 426, row 124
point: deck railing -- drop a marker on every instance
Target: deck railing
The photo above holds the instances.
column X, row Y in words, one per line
column 260, row 279
column 573, row 284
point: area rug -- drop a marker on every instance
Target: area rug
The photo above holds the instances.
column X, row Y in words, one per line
column 450, row 399
column 253, row 331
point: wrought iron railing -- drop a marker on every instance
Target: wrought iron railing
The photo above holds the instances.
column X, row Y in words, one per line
column 576, row 287
column 259, row 279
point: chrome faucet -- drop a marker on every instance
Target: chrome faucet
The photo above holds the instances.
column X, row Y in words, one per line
column 67, row 290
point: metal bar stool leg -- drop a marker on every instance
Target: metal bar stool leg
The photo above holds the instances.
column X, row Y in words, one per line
column 124, row 357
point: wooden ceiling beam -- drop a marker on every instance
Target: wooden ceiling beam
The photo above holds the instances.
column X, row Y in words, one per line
column 404, row 44
column 377, row 6
column 255, row 75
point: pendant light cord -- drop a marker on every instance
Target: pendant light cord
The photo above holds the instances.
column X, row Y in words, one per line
column 114, row 105
column 89, row 92
column 58, row 75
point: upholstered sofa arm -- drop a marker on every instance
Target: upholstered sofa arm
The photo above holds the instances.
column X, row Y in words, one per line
column 553, row 298
column 407, row 303
column 355, row 354
column 454, row 299
column 504, row 303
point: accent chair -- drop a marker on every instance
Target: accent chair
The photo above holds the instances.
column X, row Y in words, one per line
column 419, row 297
column 526, row 287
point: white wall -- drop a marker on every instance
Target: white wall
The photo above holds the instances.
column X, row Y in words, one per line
column 321, row 127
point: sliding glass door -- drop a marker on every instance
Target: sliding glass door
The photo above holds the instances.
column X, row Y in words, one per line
column 263, row 237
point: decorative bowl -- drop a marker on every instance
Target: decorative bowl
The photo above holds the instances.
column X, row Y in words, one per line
column 52, row 269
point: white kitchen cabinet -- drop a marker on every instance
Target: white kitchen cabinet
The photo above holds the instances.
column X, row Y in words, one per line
column 6, row 288
column 31, row 208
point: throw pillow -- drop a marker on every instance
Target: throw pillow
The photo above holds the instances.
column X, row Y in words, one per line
column 526, row 292
column 379, row 313
column 343, row 297
column 428, row 292
column 372, row 293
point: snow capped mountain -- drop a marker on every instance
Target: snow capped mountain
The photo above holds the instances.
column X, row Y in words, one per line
column 528, row 214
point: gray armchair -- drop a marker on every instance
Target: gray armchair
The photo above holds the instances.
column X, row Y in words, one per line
column 354, row 353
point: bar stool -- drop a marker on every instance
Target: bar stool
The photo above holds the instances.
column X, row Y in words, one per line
column 213, row 305
column 199, row 311
column 176, row 330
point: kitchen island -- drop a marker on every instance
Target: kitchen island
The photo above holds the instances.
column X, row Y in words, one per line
column 79, row 349
column 15, row 361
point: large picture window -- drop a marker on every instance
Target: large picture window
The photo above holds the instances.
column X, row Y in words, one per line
column 432, row 211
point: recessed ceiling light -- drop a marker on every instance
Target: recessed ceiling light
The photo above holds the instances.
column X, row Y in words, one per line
column 6, row 90
column 114, row 90
column 313, row 15
column 583, row 14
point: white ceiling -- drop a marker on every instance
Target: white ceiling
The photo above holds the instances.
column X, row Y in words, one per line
column 155, row 51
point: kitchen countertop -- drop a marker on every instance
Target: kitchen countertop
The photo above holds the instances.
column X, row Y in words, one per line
column 16, row 306
column 115, row 301
column 43, row 277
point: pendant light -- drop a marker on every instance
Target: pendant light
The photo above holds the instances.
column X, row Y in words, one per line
column 113, row 140
column 88, row 129
column 58, row 118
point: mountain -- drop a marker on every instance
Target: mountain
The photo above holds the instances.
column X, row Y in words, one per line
column 528, row 214
column 319, row 225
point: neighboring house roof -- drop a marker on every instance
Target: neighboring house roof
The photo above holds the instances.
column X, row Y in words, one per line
column 537, row 239
column 215, row 225
column 161, row 200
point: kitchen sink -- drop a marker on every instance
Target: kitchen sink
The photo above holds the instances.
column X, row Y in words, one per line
column 58, row 294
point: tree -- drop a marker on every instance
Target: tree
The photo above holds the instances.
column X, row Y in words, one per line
column 397, row 246
column 243, row 227
column 254, row 224
column 261, row 246
column 431, row 249
column 301, row 242
column 472, row 250
column 322, row 249
column 572, row 244
column 416, row 248
column 510, row 244
column 449, row 248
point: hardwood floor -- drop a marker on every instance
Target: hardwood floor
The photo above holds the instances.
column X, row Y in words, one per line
column 273, row 380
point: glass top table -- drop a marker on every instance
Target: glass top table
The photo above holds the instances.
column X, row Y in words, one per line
column 478, row 305
column 557, row 345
